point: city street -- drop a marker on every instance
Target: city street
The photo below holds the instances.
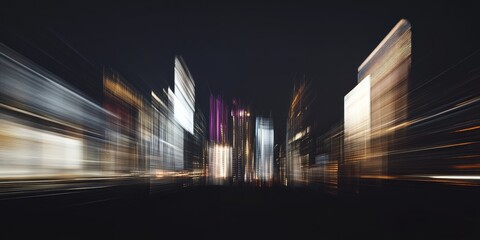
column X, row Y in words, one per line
column 237, row 120
column 214, row 212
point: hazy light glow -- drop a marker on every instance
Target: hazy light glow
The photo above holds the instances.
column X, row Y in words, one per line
column 459, row 177
column 357, row 123
column 34, row 152
column 220, row 162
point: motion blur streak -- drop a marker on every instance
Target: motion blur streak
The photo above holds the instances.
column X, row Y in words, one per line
column 47, row 129
column 468, row 129
column 56, row 141
column 392, row 131
column 299, row 136
column 457, row 177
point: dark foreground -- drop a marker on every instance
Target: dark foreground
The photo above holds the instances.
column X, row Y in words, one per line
column 212, row 212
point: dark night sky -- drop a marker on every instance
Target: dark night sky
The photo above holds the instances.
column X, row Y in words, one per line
column 254, row 51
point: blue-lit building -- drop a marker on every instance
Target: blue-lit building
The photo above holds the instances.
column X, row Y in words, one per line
column 264, row 143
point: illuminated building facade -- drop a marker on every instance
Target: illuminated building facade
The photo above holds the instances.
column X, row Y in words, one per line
column 184, row 97
column 175, row 136
column 121, row 153
column 175, row 133
column 47, row 128
column 264, row 144
column 376, row 109
column 242, row 161
column 167, row 136
column 220, row 168
column 184, row 110
column 299, row 142
column 159, row 113
column 357, row 124
column 220, row 150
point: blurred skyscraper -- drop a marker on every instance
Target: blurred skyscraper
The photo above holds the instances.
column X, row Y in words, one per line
column 299, row 143
column 167, row 135
column 184, row 109
column 376, row 109
column 242, row 161
column 220, row 150
column 173, row 134
column 264, row 143
column 184, row 105
column 123, row 142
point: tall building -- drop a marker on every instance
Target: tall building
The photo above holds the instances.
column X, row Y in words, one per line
column 299, row 143
column 122, row 140
column 184, row 104
column 167, row 135
column 264, row 143
column 173, row 139
column 242, row 159
column 220, row 150
column 199, row 142
column 376, row 109
column 357, row 125
column 184, row 110
column 175, row 136
column 218, row 122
